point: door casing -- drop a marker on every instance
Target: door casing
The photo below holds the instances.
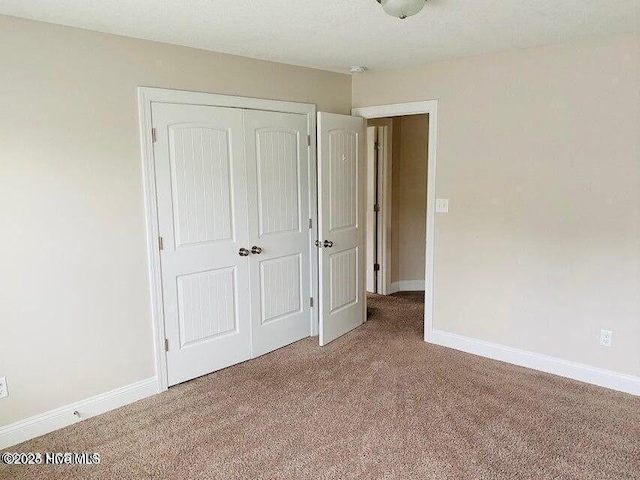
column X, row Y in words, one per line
column 372, row 222
column 146, row 97
column 415, row 108
column 382, row 178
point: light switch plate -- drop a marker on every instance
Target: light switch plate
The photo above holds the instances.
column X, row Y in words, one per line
column 442, row 205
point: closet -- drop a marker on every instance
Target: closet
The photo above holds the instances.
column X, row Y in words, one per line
column 256, row 231
column 233, row 216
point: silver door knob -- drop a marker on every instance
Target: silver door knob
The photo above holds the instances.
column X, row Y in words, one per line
column 256, row 250
column 244, row 252
column 328, row 244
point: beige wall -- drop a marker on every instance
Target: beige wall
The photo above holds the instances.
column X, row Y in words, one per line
column 74, row 301
column 409, row 204
column 538, row 153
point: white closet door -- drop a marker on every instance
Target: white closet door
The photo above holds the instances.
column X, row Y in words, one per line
column 278, row 173
column 342, row 195
column 202, row 213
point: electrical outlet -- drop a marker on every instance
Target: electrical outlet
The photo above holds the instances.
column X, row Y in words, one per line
column 3, row 387
column 606, row 338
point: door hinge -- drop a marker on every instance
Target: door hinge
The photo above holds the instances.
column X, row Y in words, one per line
column 308, row 140
column 376, row 267
column 154, row 138
column 310, row 224
column 377, row 146
column 166, row 344
column 311, row 302
column 160, row 243
column 376, row 207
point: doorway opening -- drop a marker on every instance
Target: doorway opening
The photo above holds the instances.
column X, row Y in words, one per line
column 397, row 157
column 401, row 142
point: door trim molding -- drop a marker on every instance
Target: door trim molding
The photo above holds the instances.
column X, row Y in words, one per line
column 146, row 97
column 415, row 108
column 384, row 198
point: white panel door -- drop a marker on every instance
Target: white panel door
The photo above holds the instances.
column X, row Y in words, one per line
column 372, row 178
column 342, row 224
column 202, row 214
column 278, row 173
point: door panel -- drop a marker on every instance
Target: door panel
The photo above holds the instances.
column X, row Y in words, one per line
column 202, row 214
column 280, row 287
column 343, row 168
column 201, row 184
column 278, row 164
column 342, row 194
column 343, row 274
column 208, row 296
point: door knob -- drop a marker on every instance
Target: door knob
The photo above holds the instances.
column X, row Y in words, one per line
column 328, row 244
column 244, row 252
column 256, row 250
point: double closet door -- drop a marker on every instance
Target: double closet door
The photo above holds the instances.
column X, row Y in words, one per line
column 233, row 208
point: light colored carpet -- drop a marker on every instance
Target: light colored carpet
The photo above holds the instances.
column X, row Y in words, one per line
column 377, row 403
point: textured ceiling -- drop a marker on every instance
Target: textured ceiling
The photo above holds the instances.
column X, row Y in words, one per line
column 335, row 34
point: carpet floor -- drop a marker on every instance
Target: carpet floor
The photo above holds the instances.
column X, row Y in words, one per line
column 377, row 403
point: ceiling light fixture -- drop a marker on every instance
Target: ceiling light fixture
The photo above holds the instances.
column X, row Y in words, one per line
column 402, row 8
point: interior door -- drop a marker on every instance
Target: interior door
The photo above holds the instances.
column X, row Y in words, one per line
column 278, row 172
column 371, row 237
column 202, row 214
column 341, row 224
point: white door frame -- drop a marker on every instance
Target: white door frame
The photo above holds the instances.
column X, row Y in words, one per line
column 149, row 95
column 371, row 136
column 382, row 234
column 415, row 108
column 385, row 160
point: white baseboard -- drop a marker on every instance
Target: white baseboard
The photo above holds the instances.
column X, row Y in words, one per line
column 564, row 368
column 37, row 425
column 407, row 286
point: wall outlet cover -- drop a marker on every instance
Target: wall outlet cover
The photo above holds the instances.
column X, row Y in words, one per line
column 606, row 338
column 4, row 392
